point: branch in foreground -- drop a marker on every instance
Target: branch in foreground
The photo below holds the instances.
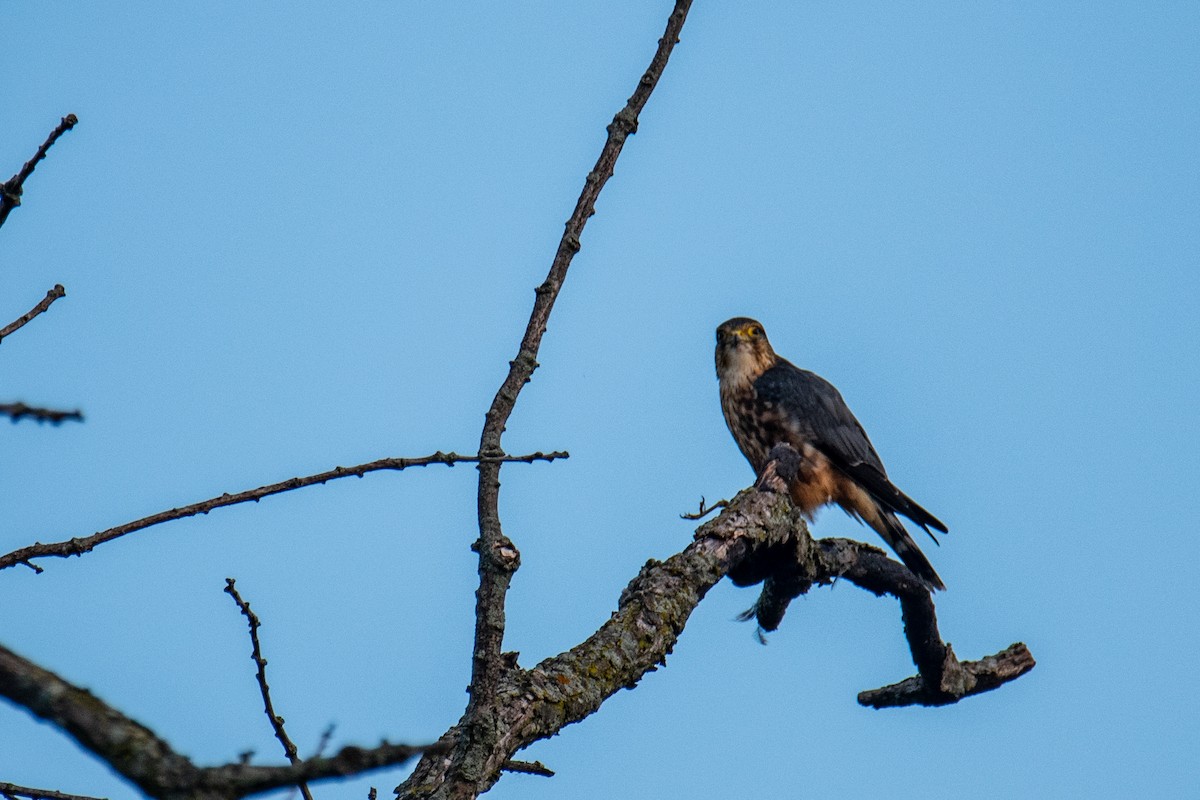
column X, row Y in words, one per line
column 11, row 790
column 498, row 557
column 289, row 747
column 11, row 190
column 760, row 536
column 139, row 755
column 18, row 411
column 23, row 320
column 79, row 546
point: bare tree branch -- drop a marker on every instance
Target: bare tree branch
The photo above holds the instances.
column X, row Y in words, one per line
column 651, row 613
column 18, row 411
column 79, row 546
column 960, row 679
column 760, row 536
column 498, row 557
column 942, row 679
column 147, row 761
column 10, row 791
column 11, row 190
column 289, row 747
column 52, row 295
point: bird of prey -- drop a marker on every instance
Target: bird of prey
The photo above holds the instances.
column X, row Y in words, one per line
column 767, row 400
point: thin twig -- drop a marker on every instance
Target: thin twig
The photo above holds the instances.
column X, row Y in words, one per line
column 19, row 411
column 11, row 790
column 323, row 742
column 289, row 747
column 52, row 295
column 704, row 510
column 319, row 750
column 528, row 768
column 10, row 191
column 79, row 546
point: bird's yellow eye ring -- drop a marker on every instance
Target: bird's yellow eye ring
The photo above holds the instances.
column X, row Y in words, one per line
column 755, row 331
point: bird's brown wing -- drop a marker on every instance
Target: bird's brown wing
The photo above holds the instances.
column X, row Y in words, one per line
column 814, row 411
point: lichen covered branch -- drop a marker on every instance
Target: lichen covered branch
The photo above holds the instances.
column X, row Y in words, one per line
column 759, row 537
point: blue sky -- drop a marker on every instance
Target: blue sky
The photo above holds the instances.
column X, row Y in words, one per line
column 300, row 236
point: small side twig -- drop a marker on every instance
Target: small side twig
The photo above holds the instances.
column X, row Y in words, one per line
column 528, row 768
column 10, row 791
column 19, row 411
column 323, row 742
column 705, row 510
column 80, row 545
column 23, row 320
column 10, row 190
column 289, row 747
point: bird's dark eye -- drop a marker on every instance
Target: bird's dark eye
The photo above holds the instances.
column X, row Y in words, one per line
column 756, row 331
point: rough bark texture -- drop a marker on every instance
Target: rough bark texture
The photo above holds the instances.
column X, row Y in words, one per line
column 651, row 613
column 758, row 536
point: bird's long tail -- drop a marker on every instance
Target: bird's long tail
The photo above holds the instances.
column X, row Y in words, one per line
column 888, row 525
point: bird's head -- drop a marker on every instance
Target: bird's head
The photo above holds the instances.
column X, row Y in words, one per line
column 743, row 351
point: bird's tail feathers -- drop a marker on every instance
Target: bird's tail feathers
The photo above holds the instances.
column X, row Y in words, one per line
column 905, row 505
column 902, row 544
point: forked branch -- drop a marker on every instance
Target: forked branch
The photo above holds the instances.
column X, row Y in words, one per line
column 148, row 761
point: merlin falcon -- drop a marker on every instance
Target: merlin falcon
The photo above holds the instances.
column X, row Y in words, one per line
column 767, row 400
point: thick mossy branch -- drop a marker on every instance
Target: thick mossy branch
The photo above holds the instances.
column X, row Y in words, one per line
column 651, row 613
column 760, row 537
